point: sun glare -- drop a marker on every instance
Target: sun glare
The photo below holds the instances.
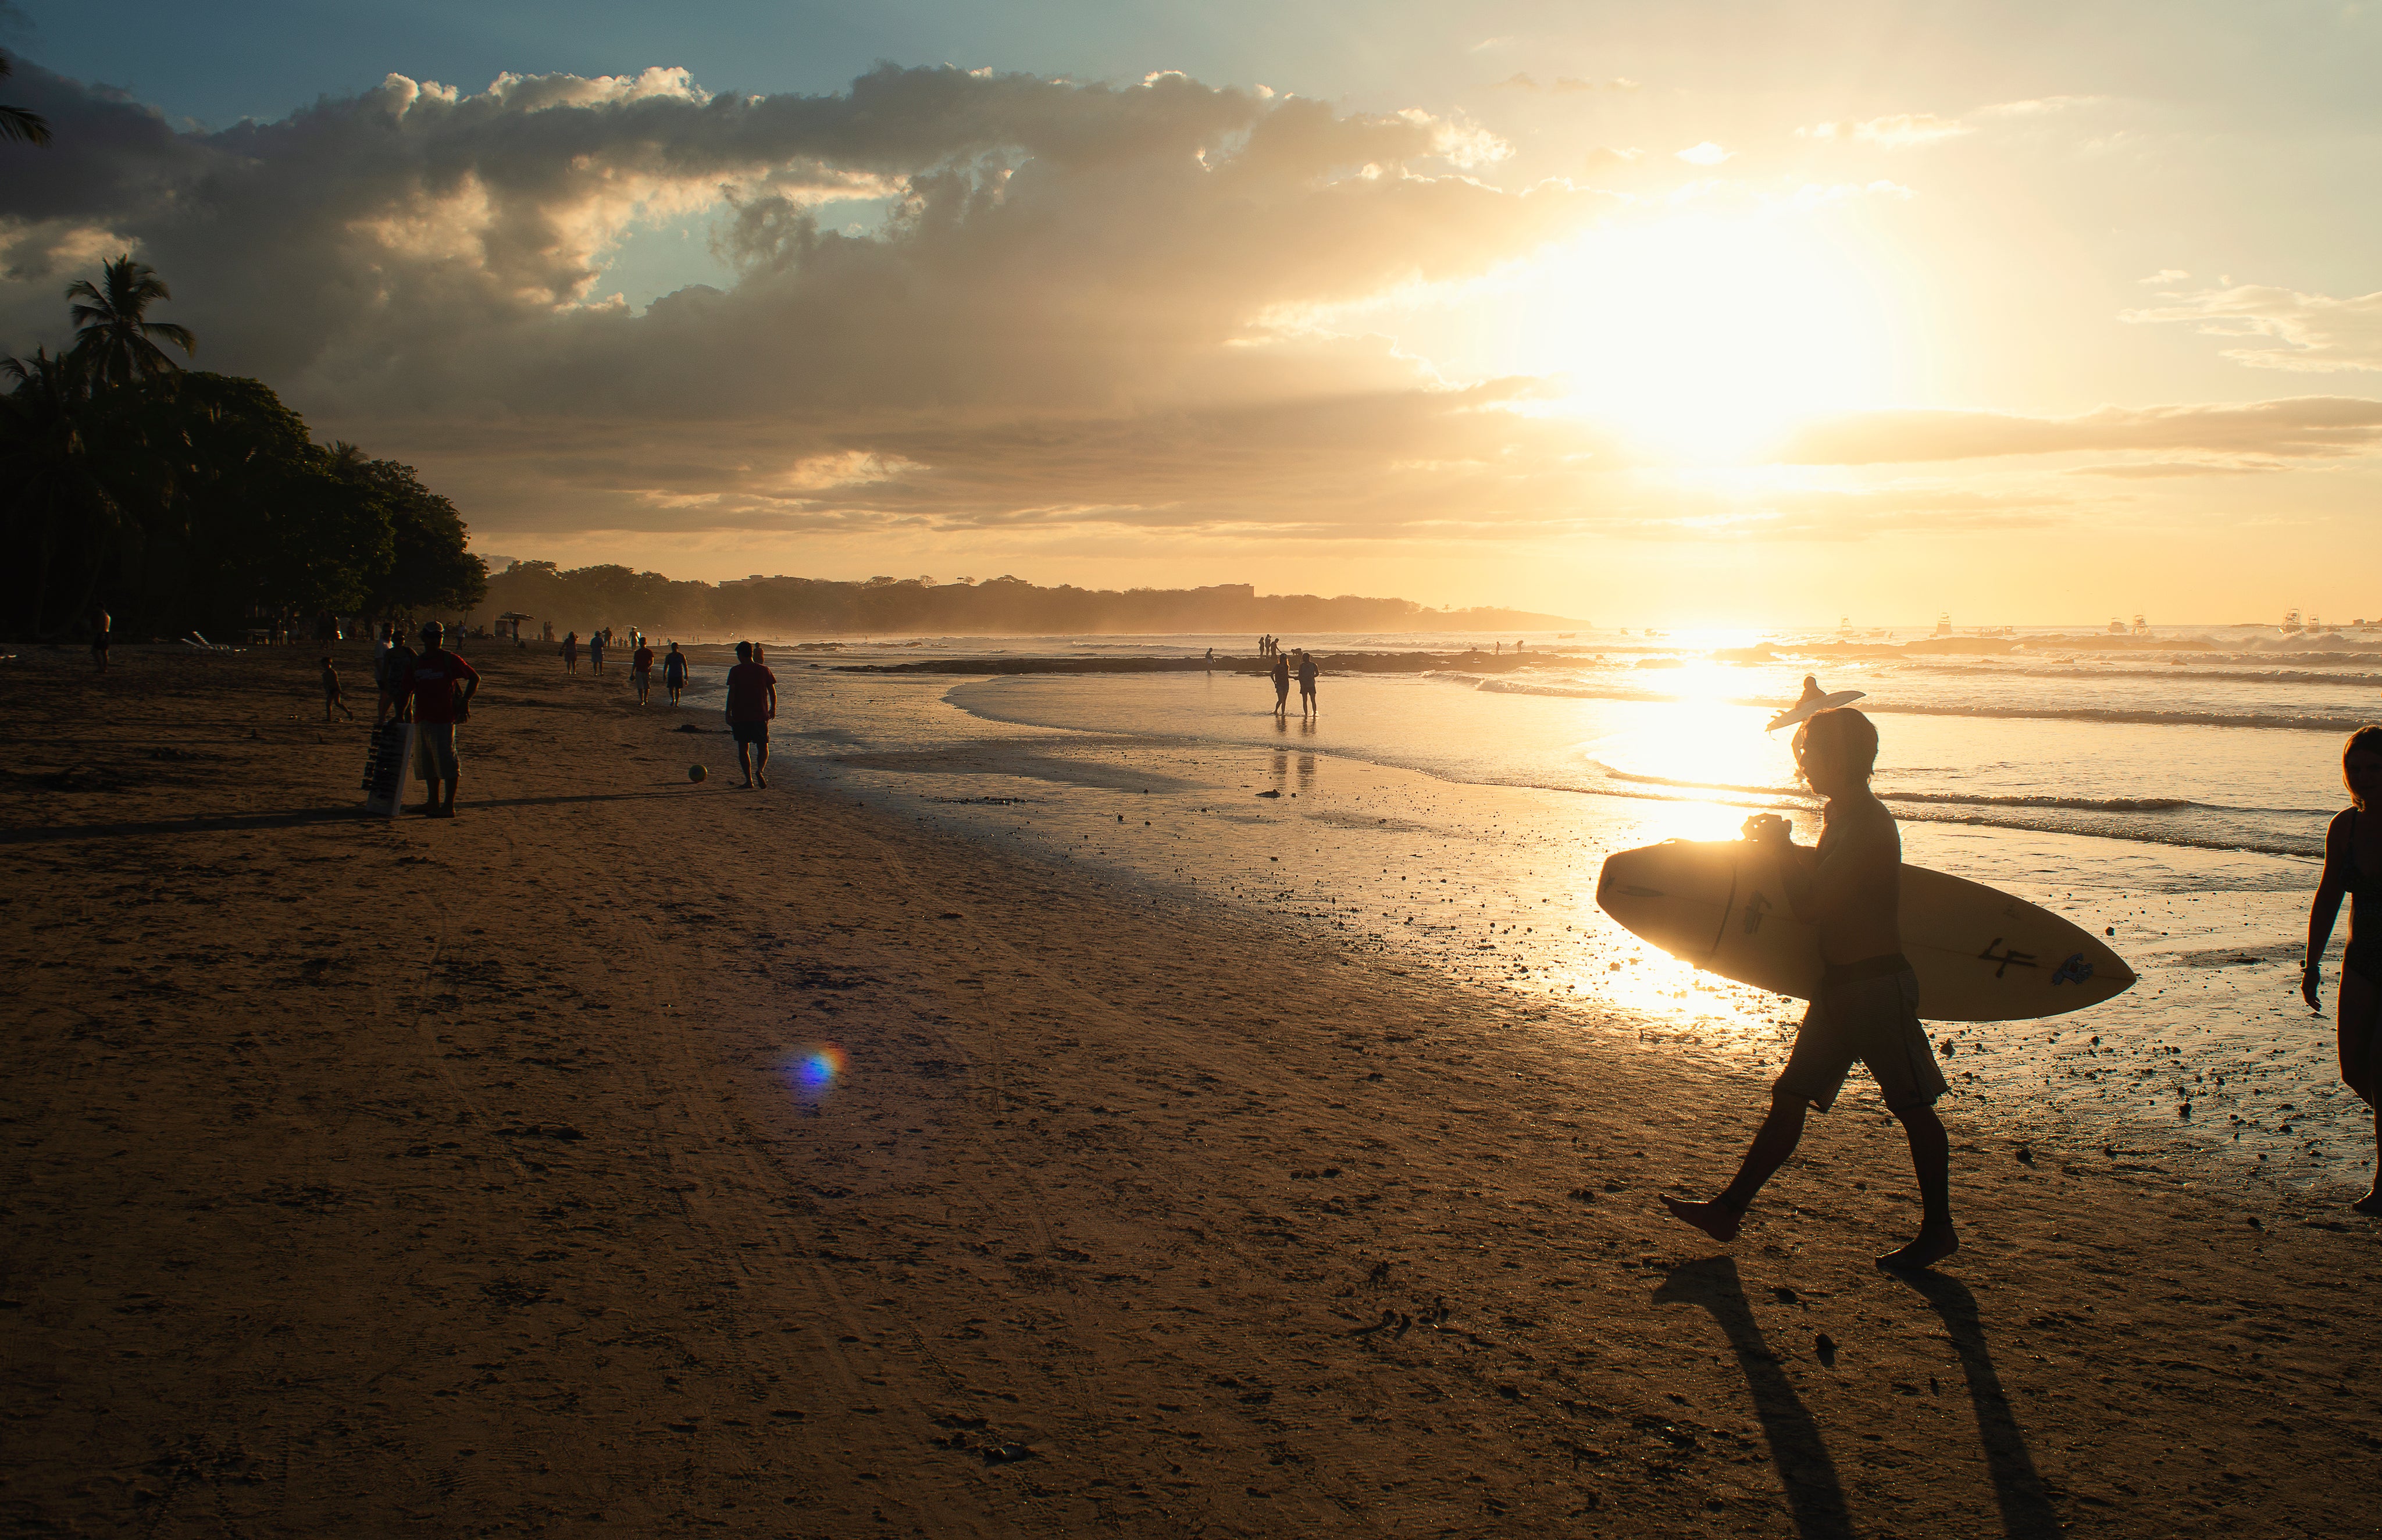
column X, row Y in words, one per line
column 1706, row 336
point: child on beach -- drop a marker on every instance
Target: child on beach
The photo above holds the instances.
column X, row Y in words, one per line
column 331, row 692
column 641, row 669
column 1866, row 1007
column 571, row 653
column 2352, row 848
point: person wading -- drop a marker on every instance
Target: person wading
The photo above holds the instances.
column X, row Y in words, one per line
column 1866, row 1007
column 2352, row 866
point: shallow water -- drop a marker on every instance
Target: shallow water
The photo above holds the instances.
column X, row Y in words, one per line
column 1458, row 829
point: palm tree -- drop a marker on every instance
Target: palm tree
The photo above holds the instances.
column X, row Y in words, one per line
column 111, row 336
column 20, row 122
column 66, row 520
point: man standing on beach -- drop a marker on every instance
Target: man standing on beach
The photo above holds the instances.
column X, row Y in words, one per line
column 1866, row 1007
column 641, row 669
column 596, row 651
column 1307, row 672
column 674, row 672
column 437, row 707
column 751, row 701
column 1280, row 685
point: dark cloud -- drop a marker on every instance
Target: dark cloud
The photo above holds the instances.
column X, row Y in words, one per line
column 1076, row 284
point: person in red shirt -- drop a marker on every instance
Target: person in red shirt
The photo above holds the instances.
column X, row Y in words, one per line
column 431, row 683
column 751, row 701
column 641, row 669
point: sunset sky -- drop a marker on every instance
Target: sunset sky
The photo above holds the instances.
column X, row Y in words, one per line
column 1689, row 313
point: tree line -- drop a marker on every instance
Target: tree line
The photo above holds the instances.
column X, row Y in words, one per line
column 176, row 500
column 585, row 599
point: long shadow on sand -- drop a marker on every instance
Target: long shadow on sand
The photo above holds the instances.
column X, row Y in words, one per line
column 1805, row 1468
column 2018, row 1490
column 292, row 819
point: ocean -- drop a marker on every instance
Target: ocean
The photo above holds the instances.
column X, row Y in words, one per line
column 2172, row 791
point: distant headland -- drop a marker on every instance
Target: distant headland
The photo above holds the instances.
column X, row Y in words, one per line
column 585, row 597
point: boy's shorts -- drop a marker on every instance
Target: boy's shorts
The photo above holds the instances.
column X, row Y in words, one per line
column 1876, row 1021
column 434, row 751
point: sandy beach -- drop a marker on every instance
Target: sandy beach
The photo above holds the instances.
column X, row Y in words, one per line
column 431, row 1178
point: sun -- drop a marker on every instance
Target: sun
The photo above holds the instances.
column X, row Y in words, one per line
column 1705, row 335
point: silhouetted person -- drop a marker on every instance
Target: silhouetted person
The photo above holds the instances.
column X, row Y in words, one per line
column 397, row 670
column 331, row 696
column 1866, row 1005
column 641, row 669
column 2352, row 849
column 751, row 701
column 571, row 653
column 596, row 651
column 674, row 672
column 1307, row 672
column 1281, row 685
column 438, row 707
column 102, row 638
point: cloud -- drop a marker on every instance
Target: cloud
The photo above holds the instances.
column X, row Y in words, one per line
column 2163, row 276
column 1901, row 131
column 2164, row 470
column 2302, row 427
column 2307, row 333
column 1066, row 271
column 1706, row 153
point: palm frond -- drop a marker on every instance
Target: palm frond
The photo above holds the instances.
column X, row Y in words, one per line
column 24, row 125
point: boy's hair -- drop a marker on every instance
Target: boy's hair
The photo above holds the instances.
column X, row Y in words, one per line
column 1850, row 736
column 2366, row 740
column 744, row 650
column 326, row 662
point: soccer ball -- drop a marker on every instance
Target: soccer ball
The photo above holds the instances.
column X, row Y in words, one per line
column 696, row 773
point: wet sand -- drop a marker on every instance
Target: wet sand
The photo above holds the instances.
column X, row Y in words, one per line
column 456, row 1177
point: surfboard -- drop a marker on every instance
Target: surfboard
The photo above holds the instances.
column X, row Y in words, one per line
column 1980, row 955
column 1803, row 711
column 388, row 761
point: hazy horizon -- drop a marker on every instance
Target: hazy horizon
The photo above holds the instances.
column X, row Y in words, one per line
column 1677, row 315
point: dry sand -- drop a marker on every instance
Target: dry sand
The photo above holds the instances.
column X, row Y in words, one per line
column 451, row 1178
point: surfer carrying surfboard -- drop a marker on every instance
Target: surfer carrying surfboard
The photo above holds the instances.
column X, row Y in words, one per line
column 1866, row 1005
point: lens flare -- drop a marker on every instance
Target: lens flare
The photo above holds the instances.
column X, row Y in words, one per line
column 816, row 1069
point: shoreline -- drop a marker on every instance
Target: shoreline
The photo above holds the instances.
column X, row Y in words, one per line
column 424, row 1177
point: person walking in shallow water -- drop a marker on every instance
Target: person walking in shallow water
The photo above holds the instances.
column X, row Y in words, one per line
column 1866, row 1005
column 2352, row 866
column 1280, row 685
column 1307, row 672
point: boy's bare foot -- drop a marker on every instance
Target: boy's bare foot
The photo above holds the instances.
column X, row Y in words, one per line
column 743, row 786
column 2370, row 1204
column 1716, row 1219
column 1930, row 1248
column 762, row 780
